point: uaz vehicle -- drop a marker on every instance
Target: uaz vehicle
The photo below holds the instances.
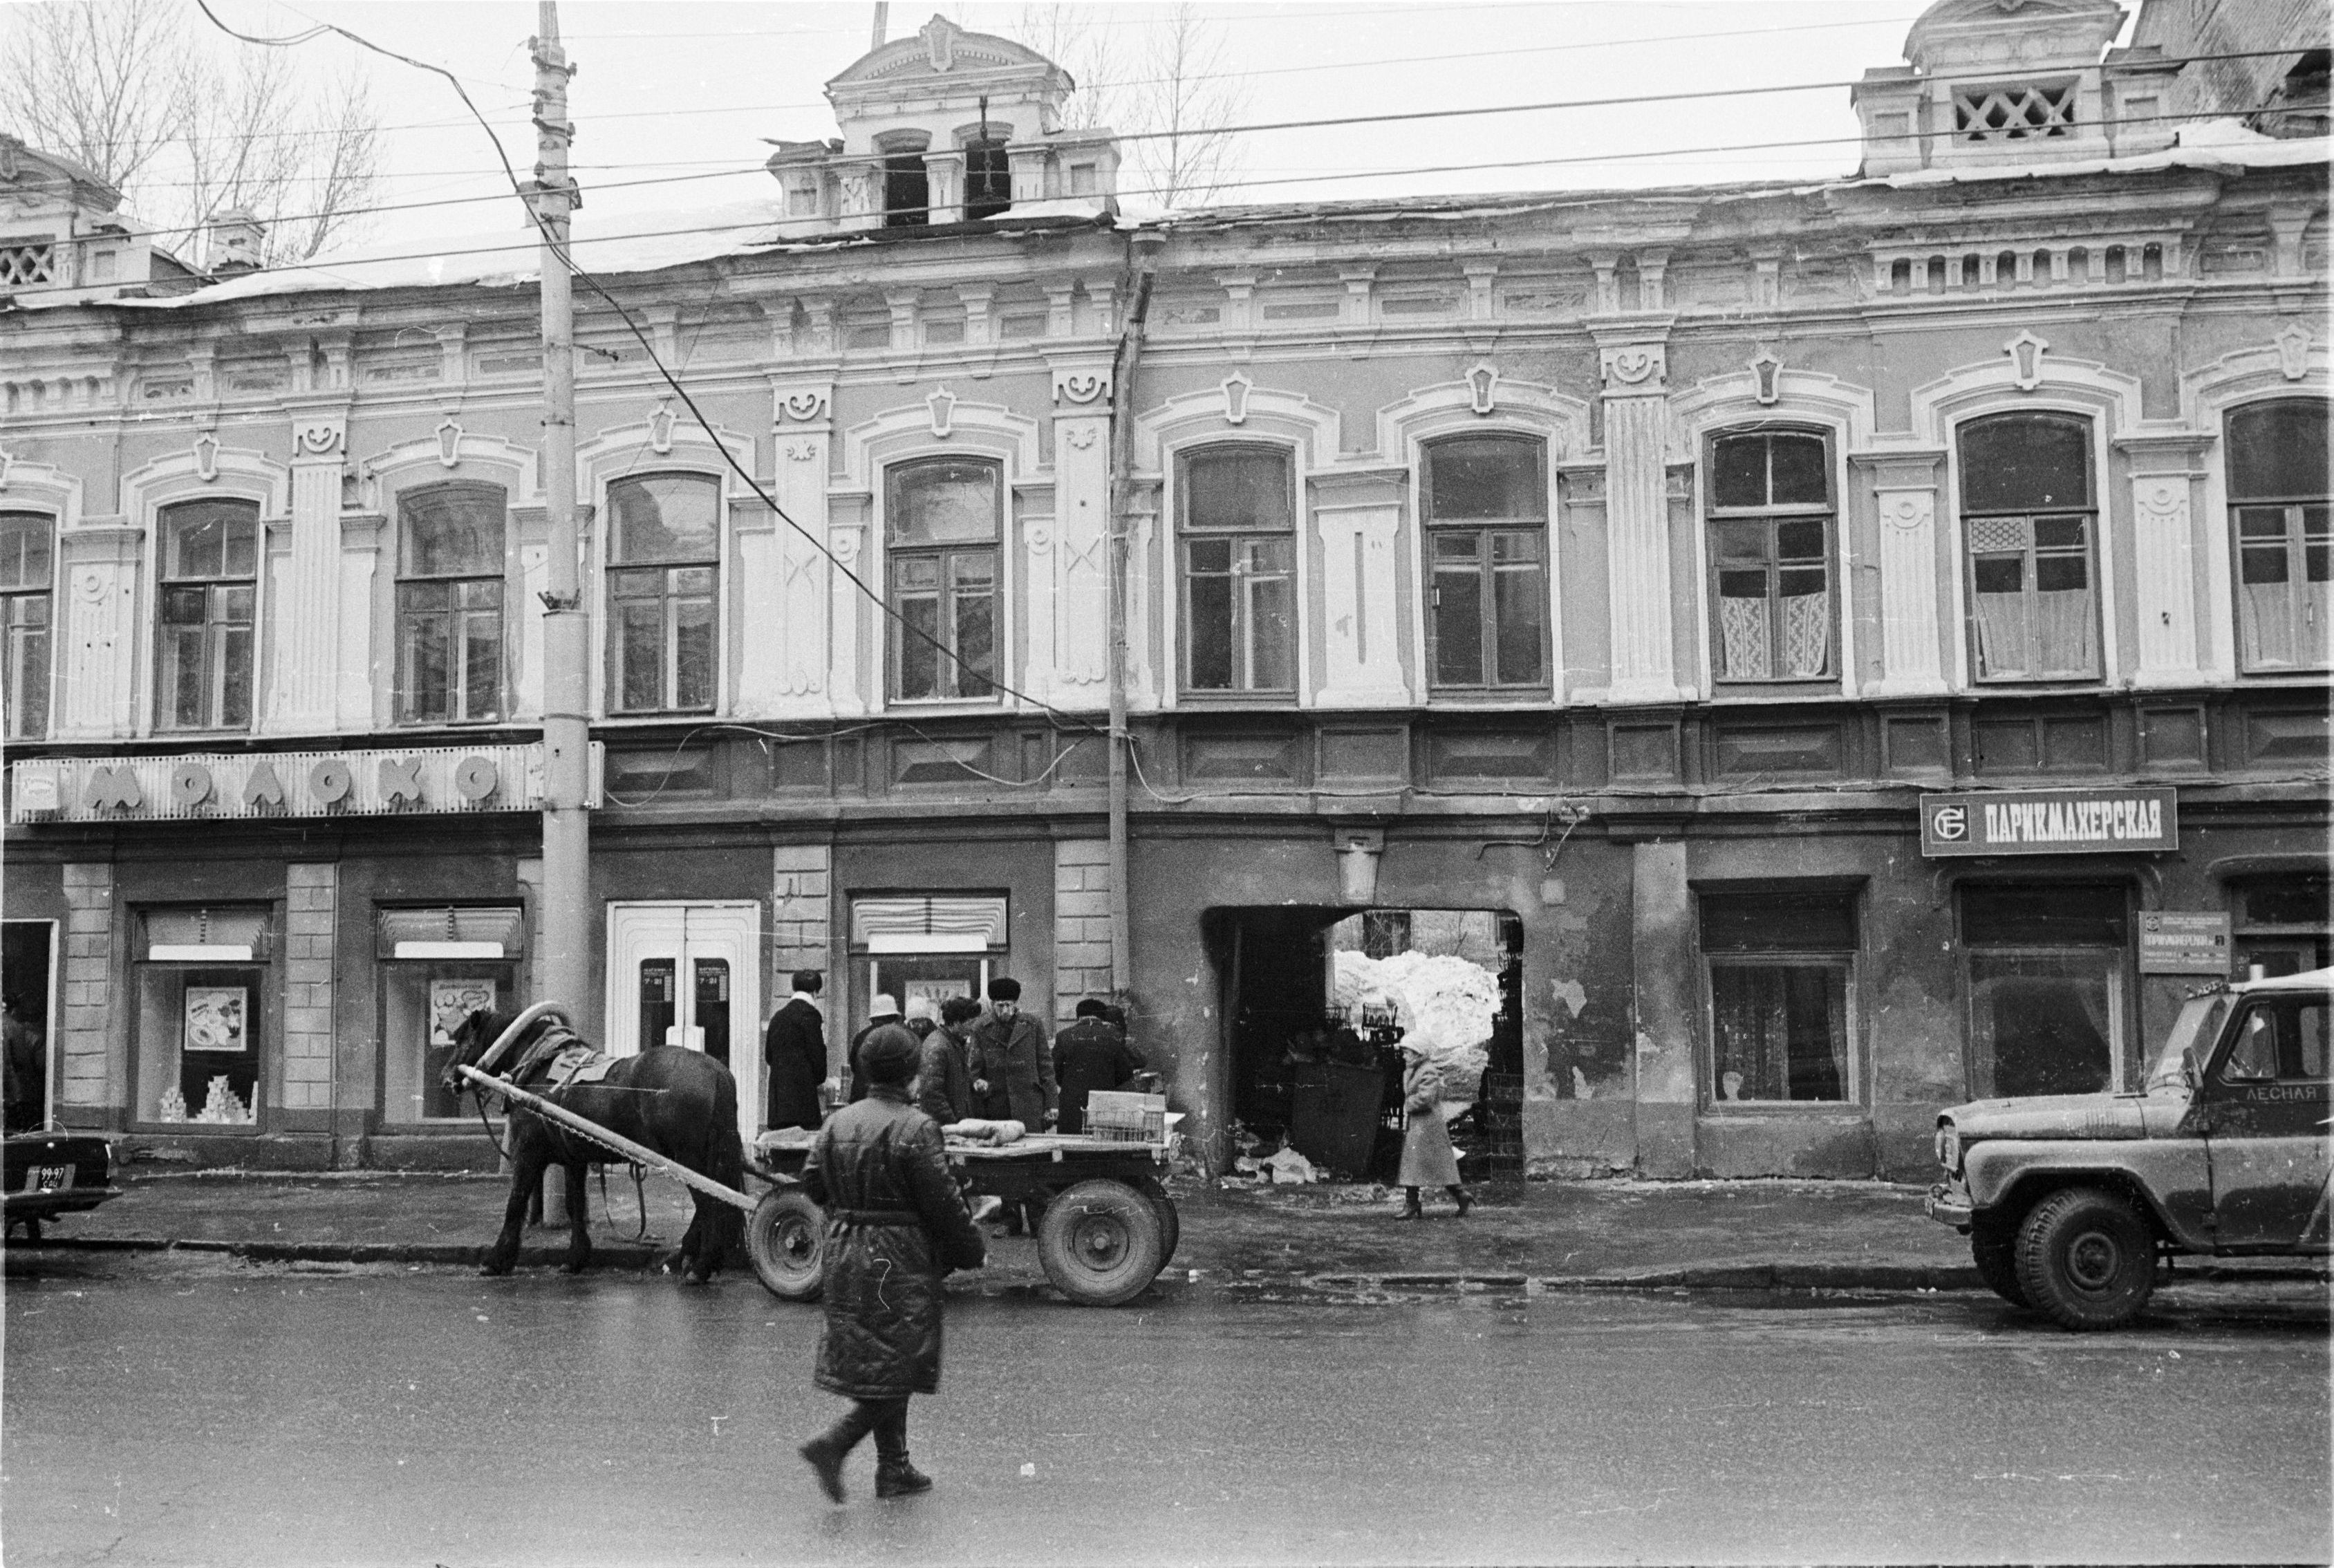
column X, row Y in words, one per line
column 50, row 1173
column 2069, row 1199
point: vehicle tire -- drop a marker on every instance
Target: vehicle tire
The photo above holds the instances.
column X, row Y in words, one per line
column 2085, row 1259
column 1101, row 1242
column 1170, row 1224
column 1994, row 1248
column 785, row 1237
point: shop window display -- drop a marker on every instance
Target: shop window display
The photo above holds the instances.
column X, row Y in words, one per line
column 424, row 1004
column 1780, row 971
column 202, row 1037
column 2048, row 979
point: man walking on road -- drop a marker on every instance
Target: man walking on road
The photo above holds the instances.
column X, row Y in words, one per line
column 895, row 1226
column 1092, row 1053
column 795, row 1050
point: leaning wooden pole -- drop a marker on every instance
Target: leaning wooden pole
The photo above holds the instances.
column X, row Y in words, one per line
column 638, row 1153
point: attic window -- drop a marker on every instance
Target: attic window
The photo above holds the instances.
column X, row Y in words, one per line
column 27, row 263
column 907, row 193
column 2023, row 112
column 987, row 180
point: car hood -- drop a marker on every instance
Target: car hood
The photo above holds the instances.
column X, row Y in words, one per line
column 2065, row 1116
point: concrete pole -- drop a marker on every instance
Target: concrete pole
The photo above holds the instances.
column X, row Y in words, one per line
column 1136, row 292
column 563, row 968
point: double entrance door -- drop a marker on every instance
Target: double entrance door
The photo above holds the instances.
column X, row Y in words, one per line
column 689, row 974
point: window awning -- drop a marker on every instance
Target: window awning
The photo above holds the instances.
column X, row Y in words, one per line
column 447, row 932
column 206, row 936
column 932, row 923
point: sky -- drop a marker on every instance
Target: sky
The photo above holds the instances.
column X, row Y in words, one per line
column 674, row 99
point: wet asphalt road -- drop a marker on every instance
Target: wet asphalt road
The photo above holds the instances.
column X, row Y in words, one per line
column 175, row 1410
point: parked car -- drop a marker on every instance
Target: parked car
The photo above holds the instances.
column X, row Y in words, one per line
column 50, row 1172
column 2070, row 1200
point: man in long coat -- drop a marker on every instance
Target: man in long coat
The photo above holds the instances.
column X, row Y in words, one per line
column 895, row 1226
column 1012, row 1069
column 1092, row 1053
column 795, row 1050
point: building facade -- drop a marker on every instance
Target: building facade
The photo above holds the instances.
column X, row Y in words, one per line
column 1839, row 650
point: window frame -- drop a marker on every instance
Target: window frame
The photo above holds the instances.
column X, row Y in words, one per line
column 453, row 614
column 21, row 597
column 1845, row 961
column 215, row 650
column 944, row 557
column 1774, row 516
column 1186, row 532
column 1485, row 530
column 2296, row 536
column 2090, row 512
column 668, row 600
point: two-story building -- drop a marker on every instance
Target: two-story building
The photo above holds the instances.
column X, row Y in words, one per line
column 1837, row 649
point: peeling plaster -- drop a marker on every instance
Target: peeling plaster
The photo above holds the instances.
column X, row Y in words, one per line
column 1571, row 994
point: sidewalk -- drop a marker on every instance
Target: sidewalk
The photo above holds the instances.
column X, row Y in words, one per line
column 1549, row 1236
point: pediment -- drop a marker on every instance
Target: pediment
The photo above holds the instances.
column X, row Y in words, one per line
column 942, row 52
column 1956, row 36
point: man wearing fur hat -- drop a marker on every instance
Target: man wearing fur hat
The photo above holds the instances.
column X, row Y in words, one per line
column 1013, row 1073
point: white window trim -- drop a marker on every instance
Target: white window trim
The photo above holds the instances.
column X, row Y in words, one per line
column 46, row 490
column 237, row 474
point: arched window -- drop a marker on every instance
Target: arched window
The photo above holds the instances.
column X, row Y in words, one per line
column 1485, row 502
column 664, row 551
column 449, row 604
column 1236, row 510
column 210, row 615
column 27, row 565
column 942, row 517
column 1770, row 533
column 2028, row 522
column 2278, row 490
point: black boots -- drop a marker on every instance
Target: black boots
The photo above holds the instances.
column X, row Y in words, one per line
column 895, row 1477
column 1410, row 1209
column 1459, row 1195
column 888, row 1419
column 825, row 1455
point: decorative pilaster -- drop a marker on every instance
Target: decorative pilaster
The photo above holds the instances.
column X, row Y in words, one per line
column 783, row 667
column 1912, row 623
column 2166, row 549
column 311, row 897
column 1078, row 569
column 83, row 1078
column 97, row 652
column 1635, row 363
column 361, row 542
column 304, row 697
column 1357, row 519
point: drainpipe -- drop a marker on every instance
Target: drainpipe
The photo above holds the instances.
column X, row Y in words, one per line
column 1142, row 247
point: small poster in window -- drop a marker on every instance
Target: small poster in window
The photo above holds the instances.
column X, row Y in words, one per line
column 451, row 1001
column 217, row 1018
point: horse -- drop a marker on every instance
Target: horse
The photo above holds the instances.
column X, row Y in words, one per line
column 680, row 1104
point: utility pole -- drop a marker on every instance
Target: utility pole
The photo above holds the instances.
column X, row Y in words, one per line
column 564, row 966
column 882, row 26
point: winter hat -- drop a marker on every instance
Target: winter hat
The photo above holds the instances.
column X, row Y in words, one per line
column 1093, row 1007
column 889, row 1056
column 1005, row 988
column 923, row 1008
column 884, row 1006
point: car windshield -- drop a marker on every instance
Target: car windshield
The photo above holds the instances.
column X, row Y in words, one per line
column 2199, row 1021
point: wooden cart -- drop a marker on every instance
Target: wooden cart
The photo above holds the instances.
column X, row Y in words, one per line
column 1109, row 1227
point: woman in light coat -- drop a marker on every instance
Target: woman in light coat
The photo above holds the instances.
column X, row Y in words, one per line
column 1427, row 1160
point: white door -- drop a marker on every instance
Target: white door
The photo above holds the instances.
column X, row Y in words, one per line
column 689, row 974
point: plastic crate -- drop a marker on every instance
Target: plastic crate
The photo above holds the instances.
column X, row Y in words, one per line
column 1120, row 1117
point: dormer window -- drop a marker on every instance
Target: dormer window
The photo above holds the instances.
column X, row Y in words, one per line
column 907, row 190
column 2022, row 111
column 987, row 179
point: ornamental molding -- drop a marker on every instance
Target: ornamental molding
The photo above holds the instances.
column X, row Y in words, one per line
column 799, row 405
column 1236, row 389
column 1085, row 386
column 317, row 436
column 1482, row 385
column 1633, row 369
column 2293, row 351
column 943, row 407
column 2025, row 351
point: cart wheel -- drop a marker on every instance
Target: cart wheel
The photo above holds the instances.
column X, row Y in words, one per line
column 1170, row 1224
column 1101, row 1242
column 783, row 1236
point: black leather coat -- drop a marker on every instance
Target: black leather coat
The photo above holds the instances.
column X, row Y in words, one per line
column 895, row 1226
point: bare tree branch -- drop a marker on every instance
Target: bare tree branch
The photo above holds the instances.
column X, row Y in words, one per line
column 1164, row 76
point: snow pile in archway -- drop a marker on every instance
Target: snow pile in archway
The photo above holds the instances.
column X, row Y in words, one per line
column 1444, row 1004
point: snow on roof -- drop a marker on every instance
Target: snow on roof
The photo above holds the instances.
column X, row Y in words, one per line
column 2208, row 144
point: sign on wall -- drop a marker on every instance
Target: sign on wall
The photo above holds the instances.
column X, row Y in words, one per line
column 2180, row 942
column 298, row 784
column 2076, row 822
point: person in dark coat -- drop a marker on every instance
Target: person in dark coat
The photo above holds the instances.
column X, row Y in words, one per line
column 1013, row 1072
column 884, row 1011
column 795, row 1050
column 895, row 1226
column 944, row 1068
column 1092, row 1053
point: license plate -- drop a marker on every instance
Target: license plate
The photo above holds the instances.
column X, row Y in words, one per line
column 50, row 1178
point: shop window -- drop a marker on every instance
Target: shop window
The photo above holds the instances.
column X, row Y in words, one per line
column 449, row 604
column 1237, row 514
column 1771, row 527
column 1780, row 966
column 210, row 603
column 1485, row 502
column 203, row 1028
column 439, row 965
column 2278, row 499
column 927, row 947
column 664, row 547
column 2048, row 977
column 2284, row 924
column 942, row 519
column 27, row 573
column 2028, row 522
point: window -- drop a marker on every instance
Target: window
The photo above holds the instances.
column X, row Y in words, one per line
column 907, row 189
column 1486, row 509
column 943, row 518
column 2277, row 489
column 1780, row 966
column 2027, row 517
column 664, row 547
column 26, row 571
column 2046, row 972
column 987, row 180
column 1240, row 590
column 1770, row 515
column 2019, row 112
column 449, row 604
column 209, row 594
column 2281, row 1039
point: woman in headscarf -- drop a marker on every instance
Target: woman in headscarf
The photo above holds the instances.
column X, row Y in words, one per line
column 1427, row 1157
